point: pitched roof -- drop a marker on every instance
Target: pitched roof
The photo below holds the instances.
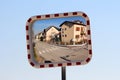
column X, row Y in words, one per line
column 71, row 23
column 45, row 30
column 51, row 27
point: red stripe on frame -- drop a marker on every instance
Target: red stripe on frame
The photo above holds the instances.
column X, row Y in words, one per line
column 84, row 15
column 32, row 63
column 89, row 32
column 60, row 64
column 38, row 16
column 88, row 22
column 56, row 15
column 68, row 64
column 28, row 46
column 27, row 37
column 47, row 16
column 78, row 63
column 65, row 14
column 88, row 59
column 74, row 13
column 27, row 28
column 50, row 65
column 42, row 66
column 29, row 20
column 89, row 41
column 90, row 52
column 29, row 56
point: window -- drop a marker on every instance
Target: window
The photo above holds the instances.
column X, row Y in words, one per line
column 81, row 28
column 65, row 28
column 76, row 36
column 65, row 35
column 77, row 29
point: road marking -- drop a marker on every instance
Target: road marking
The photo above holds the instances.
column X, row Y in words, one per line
column 40, row 52
column 47, row 50
column 43, row 51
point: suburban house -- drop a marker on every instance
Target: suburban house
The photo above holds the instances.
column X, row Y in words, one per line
column 73, row 32
column 48, row 34
column 37, row 36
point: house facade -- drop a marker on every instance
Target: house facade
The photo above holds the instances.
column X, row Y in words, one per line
column 48, row 34
column 73, row 32
column 51, row 32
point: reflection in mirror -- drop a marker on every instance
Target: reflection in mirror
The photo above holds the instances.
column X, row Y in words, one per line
column 60, row 40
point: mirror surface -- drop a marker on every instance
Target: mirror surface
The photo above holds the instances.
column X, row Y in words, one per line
column 60, row 40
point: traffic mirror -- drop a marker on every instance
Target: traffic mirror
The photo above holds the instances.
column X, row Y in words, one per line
column 57, row 40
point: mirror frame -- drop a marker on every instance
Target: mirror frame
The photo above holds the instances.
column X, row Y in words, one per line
column 30, row 52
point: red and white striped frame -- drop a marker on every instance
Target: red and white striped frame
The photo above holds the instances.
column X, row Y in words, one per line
column 29, row 23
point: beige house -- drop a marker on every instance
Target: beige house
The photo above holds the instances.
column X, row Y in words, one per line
column 48, row 33
column 73, row 32
column 37, row 37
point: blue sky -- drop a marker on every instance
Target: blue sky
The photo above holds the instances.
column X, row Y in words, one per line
column 104, row 16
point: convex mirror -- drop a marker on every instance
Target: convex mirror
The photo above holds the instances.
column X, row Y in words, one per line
column 56, row 40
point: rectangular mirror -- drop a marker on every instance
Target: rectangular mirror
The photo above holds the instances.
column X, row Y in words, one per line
column 59, row 40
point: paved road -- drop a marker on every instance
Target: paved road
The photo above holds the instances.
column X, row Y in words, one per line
column 52, row 53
